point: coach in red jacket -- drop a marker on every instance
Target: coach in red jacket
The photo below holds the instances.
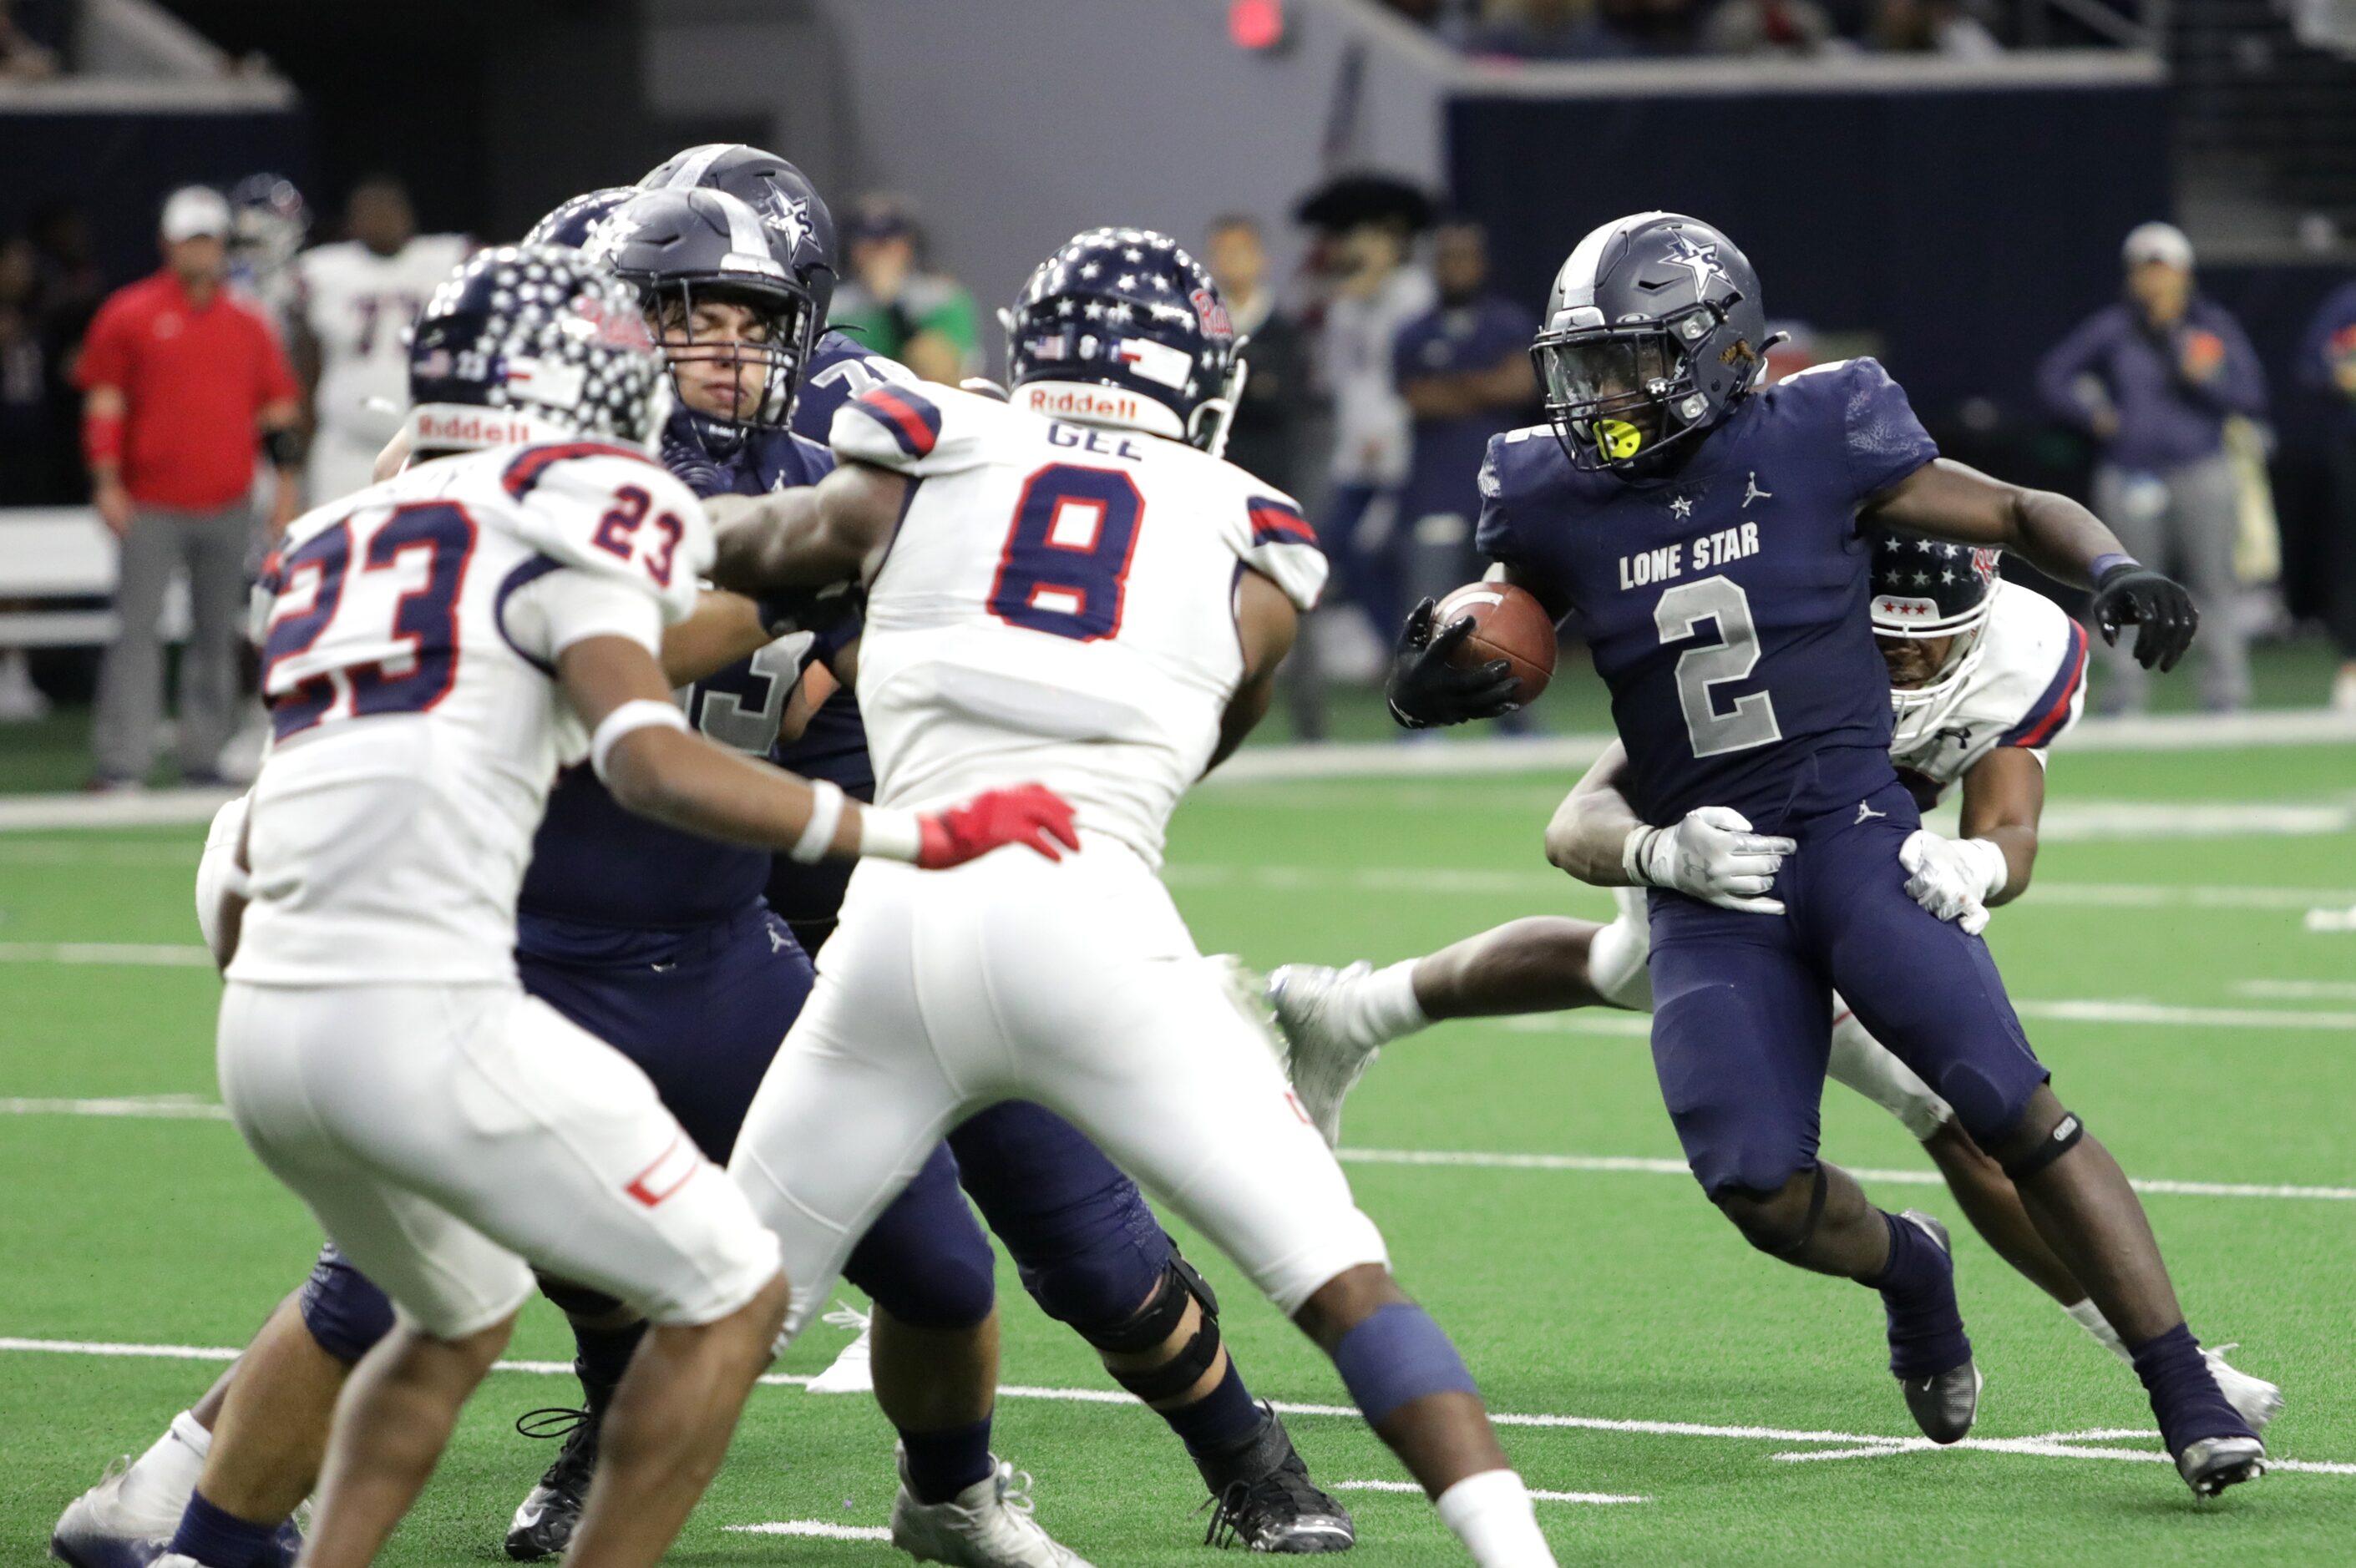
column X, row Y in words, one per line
column 183, row 380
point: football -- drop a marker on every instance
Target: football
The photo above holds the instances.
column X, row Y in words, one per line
column 1509, row 624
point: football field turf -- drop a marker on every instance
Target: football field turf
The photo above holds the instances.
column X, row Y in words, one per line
column 1731, row 1409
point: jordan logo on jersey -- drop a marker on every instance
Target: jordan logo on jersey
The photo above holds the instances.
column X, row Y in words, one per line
column 1751, row 492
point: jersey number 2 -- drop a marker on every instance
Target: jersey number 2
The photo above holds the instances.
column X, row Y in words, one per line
column 1750, row 720
column 424, row 619
column 1064, row 571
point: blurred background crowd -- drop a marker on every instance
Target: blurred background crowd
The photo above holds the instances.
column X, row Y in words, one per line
column 1389, row 294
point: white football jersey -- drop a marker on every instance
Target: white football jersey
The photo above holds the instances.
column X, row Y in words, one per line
column 1058, row 604
column 409, row 669
column 359, row 307
column 2029, row 687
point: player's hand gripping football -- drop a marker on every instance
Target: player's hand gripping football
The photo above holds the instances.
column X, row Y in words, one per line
column 1425, row 689
column 1029, row 815
column 2157, row 606
column 1953, row 878
column 1712, row 856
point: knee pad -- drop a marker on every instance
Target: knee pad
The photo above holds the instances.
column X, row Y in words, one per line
column 1395, row 1354
column 1616, row 961
column 2048, row 1148
column 346, row 1313
column 577, row 1300
column 1775, row 1241
column 1152, row 1325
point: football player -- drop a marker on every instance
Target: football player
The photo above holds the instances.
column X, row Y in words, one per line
column 1707, row 530
column 1984, row 678
column 355, row 303
column 376, row 1052
column 1072, row 583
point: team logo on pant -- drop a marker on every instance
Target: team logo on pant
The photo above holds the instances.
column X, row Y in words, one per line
column 671, row 1170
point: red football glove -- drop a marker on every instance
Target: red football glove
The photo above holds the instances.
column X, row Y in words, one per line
column 1029, row 815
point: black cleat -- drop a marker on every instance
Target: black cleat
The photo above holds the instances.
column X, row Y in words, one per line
column 544, row 1522
column 1945, row 1404
column 1263, row 1500
column 2212, row 1464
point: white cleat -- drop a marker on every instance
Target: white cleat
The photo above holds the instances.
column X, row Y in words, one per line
column 1326, row 1056
column 107, row 1526
column 853, row 1372
column 2257, row 1401
column 988, row 1525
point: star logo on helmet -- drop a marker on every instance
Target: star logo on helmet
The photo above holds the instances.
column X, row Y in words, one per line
column 1701, row 260
column 789, row 217
column 604, row 239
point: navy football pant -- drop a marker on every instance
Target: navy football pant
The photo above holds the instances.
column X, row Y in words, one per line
column 1742, row 1013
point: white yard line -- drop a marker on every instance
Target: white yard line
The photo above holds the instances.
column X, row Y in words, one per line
column 1845, row 1445
column 2298, row 991
column 817, row 1527
column 135, row 955
column 2079, row 1010
column 158, row 1107
column 1542, row 1496
column 130, row 808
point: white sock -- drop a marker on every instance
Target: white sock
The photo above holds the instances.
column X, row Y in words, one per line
column 1492, row 1515
column 160, row 1483
column 2089, row 1317
column 1383, row 1005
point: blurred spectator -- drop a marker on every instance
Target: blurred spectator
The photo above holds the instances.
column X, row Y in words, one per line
column 1767, row 27
column 21, row 58
column 28, row 440
column 1376, row 292
column 180, row 376
column 2327, row 363
column 1265, row 438
column 1931, row 28
column 1464, row 370
column 2153, row 379
column 897, row 307
column 1532, row 29
column 1609, row 29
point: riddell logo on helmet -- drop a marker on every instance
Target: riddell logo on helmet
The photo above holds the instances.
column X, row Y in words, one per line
column 487, row 428
column 1083, row 403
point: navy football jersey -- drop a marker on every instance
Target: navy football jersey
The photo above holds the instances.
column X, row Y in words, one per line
column 595, row 864
column 841, row 368
column 1727, row 603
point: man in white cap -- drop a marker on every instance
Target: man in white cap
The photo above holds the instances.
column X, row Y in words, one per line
column 2153, row 379
column 183, row 380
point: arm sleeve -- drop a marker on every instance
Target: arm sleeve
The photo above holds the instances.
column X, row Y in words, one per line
column 1884, row 440
column 561, row 607
column 1284, row 548
column 105, row 358
column 2073, row 357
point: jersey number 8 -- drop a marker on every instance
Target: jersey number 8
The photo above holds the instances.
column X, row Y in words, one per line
column 1065, row 570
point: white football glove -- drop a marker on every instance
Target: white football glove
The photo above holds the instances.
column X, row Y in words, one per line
column 1713, row 855
column 1953, row 878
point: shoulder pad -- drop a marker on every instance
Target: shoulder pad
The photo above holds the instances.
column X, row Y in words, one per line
column 1283, row 546
column 921, row 429
column 612, row 511
column 1519, row 461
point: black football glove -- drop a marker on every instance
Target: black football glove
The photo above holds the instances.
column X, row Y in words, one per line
column 2158, row 608
column 1425, row 689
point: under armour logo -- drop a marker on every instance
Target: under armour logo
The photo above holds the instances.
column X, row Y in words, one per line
column 1751, row 492
column 1867, row 813
column 1961, row 735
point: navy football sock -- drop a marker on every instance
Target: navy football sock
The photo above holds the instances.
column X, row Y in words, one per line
column 1224, row 1418
column 943, row 1464
column 220, row 1539
column 603, row 1355
column 2183, row 1391
column 1918, row 1292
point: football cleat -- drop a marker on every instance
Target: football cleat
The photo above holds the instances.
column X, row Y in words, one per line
column 1263, row 1500
column 105, row 1529
column 853, row 1370
column 545, row 1521
column 1944, row 1405
column 988, row 1525
column 2212, row 1464
column 2254, row 1398
column 1325, row 1055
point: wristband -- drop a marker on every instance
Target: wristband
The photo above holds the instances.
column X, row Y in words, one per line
column 2110, row 560
column 890, row 834
column 285, row 447
column 1988, row 858
column 1633, row 853
column 101, row 439
column 640, row 713
column 826, row 816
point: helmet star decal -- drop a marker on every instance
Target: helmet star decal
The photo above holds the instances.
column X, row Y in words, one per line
column 789, row 216
column 1699, row 260
column 607, row 235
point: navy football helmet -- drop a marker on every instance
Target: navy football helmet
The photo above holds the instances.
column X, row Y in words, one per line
column 533, row 343
column 575, row 220
column 1924, row 589
column 268, row 220
column 1653, row 333
column 682, row 249
column 800, row 228
column 1122, row 327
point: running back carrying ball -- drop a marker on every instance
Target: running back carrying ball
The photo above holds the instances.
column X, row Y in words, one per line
column 1508, row 624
